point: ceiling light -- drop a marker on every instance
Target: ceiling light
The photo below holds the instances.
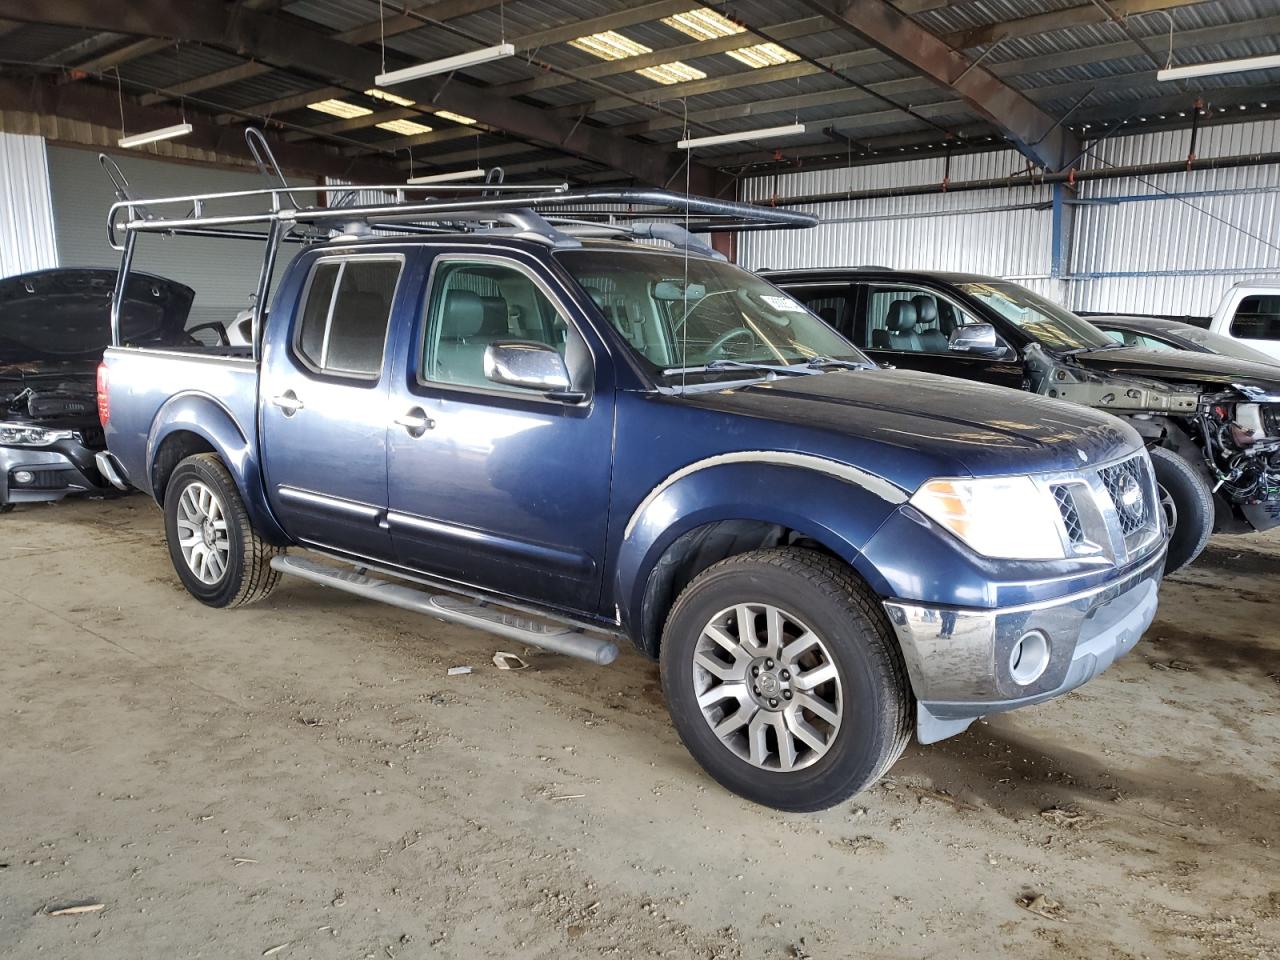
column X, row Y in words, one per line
column 164, row 133
column 673, row 72
column 1219, row 66
column 455, row 117
column 610, row 45
column 389, row 97
column 764, row 55
column 407, row 127
column 702, row 23
column 740, row 137
column 475, row 174
column 340, row 108
column 472, row 58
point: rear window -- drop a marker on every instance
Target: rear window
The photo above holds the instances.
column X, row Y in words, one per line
column 343, row 324
column 1257, row 318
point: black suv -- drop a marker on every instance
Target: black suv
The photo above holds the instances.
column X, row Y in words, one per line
column 1211, row 423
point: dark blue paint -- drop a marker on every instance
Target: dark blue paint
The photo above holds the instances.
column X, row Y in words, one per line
column 531, row 499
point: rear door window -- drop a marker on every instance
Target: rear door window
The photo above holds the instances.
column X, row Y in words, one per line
column 1257, row 318
column 830, row 303
column 342, row 328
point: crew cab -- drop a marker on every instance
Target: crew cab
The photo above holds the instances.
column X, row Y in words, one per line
column 1211, row 423
column 543, row 429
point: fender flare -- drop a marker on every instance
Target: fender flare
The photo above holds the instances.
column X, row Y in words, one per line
column 839, row 506
column 205, row 416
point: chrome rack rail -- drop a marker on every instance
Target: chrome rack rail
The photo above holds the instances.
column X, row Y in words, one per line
column 548, row 213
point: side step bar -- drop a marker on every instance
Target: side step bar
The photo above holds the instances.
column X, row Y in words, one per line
column 469, row 613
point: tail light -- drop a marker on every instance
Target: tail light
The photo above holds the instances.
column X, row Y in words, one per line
column 104, row 398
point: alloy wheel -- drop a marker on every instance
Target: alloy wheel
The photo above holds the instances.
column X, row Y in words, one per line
column 202, row 533
column 767, row 686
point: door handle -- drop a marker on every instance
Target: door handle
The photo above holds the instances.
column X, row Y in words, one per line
column 288, row 402
column 415, row 422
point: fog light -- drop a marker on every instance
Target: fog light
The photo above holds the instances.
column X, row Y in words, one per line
column 23, row 476
column 1029, row 657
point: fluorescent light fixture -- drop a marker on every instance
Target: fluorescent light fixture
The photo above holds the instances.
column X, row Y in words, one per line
column 610, row 45
column 673, row 72
column 164, row 133
column 455, row 117
column 1219, row 66
column 407, row 127
column 702, row 23
column 472, row 59
column 763, row 55
column 475, row 174
column 389, row 97
column 340, row 108
column 760, row 134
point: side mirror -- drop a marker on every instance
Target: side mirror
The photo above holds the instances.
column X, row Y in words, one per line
column 980, row 338
column 530, row 366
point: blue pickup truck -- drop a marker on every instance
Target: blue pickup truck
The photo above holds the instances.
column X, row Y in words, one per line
column 520, row 417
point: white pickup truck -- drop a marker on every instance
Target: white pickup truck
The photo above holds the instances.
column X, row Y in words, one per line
column 1250, row 313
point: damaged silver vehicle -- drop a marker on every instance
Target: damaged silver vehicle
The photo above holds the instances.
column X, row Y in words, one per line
column 54, row 326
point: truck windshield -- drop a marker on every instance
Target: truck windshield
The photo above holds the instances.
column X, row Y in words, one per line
column 1041, row 319
column 686, row 316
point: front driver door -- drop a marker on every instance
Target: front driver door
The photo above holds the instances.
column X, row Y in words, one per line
column 908, row 326
column 497, row 487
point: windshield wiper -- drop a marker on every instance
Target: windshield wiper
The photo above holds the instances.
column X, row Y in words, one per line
column 833, row 362
column 770, row 368
column 1075, row 351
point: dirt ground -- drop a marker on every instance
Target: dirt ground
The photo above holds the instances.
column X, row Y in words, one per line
column 303, row 777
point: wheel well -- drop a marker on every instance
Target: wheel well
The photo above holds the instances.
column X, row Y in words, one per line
column 694, row 551
column 173, row 450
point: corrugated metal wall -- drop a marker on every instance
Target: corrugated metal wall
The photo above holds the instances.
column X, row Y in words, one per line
column 26, row 214
column 1134, row 248
column 223, row 273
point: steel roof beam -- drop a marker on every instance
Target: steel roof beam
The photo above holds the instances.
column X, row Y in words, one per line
column 288, row 42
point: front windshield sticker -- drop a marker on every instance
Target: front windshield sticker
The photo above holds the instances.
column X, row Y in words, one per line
column 783, row 304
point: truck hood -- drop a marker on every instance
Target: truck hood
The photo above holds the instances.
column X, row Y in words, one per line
column 65, row 314
column 937, row 426
column 1184, row 366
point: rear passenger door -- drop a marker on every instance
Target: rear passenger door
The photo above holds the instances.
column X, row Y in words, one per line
column 832, row 302
column 910, row 326
column 324, row 406
column 497, row 487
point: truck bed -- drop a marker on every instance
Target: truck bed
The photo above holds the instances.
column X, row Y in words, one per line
column 149, row 388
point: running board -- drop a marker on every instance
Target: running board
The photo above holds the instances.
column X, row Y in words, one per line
column 557, row 638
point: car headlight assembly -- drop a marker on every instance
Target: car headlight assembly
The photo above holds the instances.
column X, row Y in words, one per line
column 1007, row 518
column 27, row 435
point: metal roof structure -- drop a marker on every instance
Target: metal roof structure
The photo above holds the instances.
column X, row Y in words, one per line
column 865, row 78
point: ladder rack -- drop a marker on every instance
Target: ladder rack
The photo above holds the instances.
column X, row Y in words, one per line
column 547, row 213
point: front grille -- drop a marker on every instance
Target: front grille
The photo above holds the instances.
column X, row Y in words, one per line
column 1121, row 479
column 1070, row 513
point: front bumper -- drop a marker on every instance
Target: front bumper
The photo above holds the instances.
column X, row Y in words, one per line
column 960, row 660
column 54, row 474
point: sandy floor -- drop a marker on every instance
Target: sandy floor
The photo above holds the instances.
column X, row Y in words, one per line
column 303, row 773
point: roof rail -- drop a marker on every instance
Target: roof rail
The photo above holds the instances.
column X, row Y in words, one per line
column 520, row 208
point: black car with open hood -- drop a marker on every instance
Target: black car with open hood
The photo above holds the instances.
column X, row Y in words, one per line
column 1211, row 423
column 54, row 326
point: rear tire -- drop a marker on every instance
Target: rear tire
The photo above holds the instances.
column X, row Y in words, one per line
column 219, row 558
column 6, row 507
column 780, row 736
column 1187, row 502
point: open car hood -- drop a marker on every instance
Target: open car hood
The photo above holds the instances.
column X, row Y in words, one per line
column 65, row 314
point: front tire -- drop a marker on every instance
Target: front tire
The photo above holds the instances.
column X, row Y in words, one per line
column 1187, row 502
column 784, row 680
column 219, row 558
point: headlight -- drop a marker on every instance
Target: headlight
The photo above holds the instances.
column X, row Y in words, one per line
column 26, row 435
column 1005, row 517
